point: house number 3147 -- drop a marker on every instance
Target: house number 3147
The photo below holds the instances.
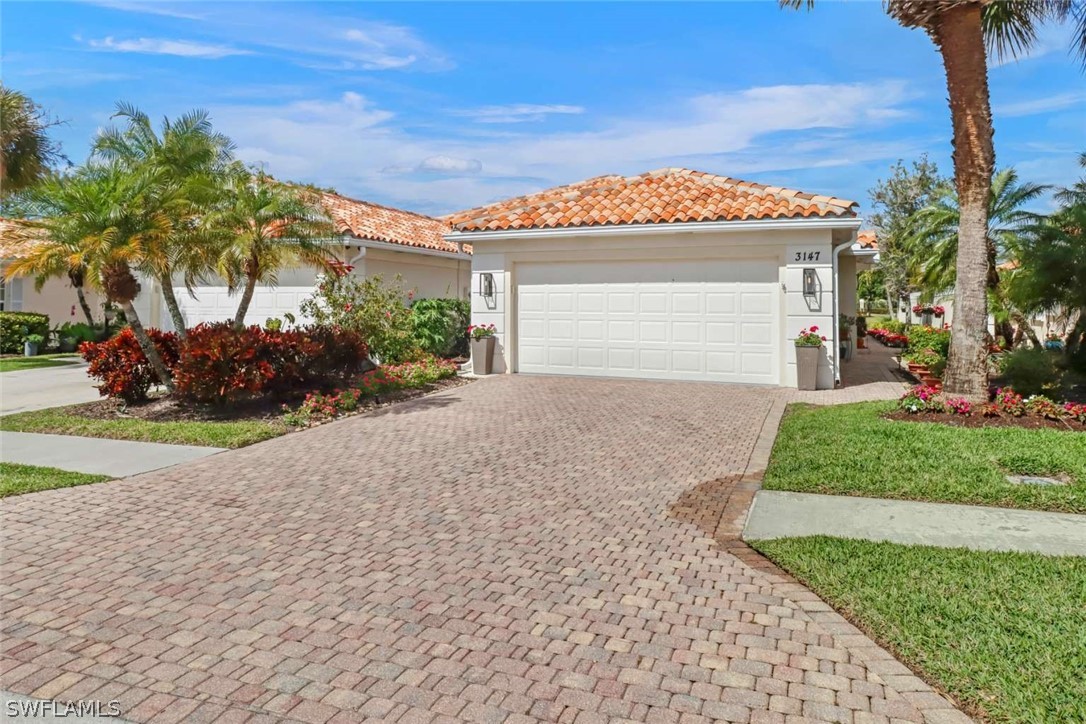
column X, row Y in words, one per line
column 807, row 255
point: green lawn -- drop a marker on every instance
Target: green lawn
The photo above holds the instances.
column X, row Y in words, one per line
column 14, row 364
column 851, row 450
column 1004, row 633
column 59, row 421
column 17, row 479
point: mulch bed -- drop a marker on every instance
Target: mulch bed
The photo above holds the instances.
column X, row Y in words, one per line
column 1028, row 422
column 164, row 409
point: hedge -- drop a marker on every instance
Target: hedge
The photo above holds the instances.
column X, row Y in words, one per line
column 14, row 326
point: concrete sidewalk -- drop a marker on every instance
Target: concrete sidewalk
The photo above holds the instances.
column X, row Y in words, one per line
column 777, row 514
column 46, row 387
column 119, row 458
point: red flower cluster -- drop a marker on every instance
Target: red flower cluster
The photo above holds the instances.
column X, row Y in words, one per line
column 122, row 367
column 888, row 338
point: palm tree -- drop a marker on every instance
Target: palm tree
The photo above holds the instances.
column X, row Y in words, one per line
column 1052, row 261
column 960, row 29
column 26, row 151
column 188, row 161
column 107, row 220
column 268, row 226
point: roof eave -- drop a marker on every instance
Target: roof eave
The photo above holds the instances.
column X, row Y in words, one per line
column 693, row 227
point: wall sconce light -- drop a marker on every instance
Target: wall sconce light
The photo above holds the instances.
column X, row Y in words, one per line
column 486, row 285
column 810, row 283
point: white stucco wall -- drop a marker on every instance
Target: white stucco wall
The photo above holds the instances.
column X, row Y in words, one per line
column 791, row 250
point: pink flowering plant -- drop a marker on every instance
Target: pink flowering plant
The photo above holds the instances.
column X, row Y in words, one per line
column 1010, row 402
column 482, row 331
column 921, row 398
column 810, row 338
column 959, row 406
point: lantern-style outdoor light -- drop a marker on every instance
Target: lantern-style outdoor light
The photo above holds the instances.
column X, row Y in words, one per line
column 486, row 285
column 810, row 283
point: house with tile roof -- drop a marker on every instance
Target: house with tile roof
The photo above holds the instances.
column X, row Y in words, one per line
column 670, row 274
column 371, row 239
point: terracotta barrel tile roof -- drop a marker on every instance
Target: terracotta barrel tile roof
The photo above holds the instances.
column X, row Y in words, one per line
column 669, row 195
column 866, row 239
column 367, row 220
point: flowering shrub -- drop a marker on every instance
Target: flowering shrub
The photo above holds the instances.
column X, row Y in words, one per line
column 370, row 307
column 929, row 339
column 921, row 399
column 989, row 409
column 934, row 310
column 482, row 331
column 1010, row 402
column 810, row 338
column 888, row 337
column 1041, row 405
column 123, row 368
column 318, row 407
column 958, row 406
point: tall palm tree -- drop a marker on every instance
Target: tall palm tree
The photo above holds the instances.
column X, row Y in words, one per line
column 107, row 220
column 268, row 226
column 960, row 30
column 188, row 161
column 27, row 153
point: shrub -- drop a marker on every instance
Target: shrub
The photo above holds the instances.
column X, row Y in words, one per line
column 123, row 368
column 959, row 406
column 220, row 363
column 1074, row 411
column 922, row 339
column 1031, row 371
column 15, row 326
column 369, row 307
column 439, row 326
column 79, row 331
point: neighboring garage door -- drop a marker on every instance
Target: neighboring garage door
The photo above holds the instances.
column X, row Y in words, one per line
column 694, row 320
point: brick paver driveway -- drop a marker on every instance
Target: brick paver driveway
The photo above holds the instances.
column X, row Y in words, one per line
column 506, row 551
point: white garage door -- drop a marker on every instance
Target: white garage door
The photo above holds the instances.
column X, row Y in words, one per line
column 703, row 320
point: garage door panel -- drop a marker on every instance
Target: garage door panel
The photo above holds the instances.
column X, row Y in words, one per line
column 651, row 332
column 683, row 320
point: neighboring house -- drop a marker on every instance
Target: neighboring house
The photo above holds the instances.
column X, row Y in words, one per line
column 56, row 297
column 673, row 274
column 373, row 239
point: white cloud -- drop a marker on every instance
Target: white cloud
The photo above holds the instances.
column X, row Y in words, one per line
column 517, row 112
column 165, row 46
column 350, row 144
column 1033, row 106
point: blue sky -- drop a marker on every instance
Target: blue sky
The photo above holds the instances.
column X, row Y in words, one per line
column 436, row 107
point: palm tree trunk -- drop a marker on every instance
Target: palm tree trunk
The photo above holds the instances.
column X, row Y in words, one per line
column 960, row 38
column 82, row 297
column 246, row 298
column 148, row 346
column 171, row 304
column 1024, row 327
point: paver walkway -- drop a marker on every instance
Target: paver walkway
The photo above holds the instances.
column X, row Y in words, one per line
column 780, row 514
column 518, row 549
column 119, row 458
column 46, row 387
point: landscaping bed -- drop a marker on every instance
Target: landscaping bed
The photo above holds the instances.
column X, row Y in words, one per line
column 974, row 421
column 166, row 420
column 16, row 479
column 1002, row 633
column 856, row 450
